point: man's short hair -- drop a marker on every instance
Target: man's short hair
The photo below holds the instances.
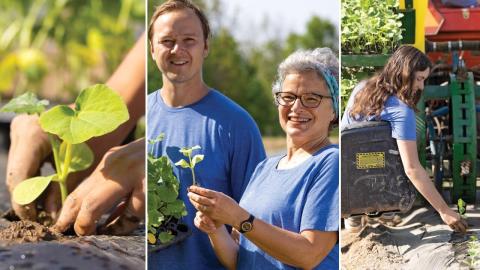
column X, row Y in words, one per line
column 172, row 5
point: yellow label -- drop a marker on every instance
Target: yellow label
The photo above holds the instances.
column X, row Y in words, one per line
column 370, row 160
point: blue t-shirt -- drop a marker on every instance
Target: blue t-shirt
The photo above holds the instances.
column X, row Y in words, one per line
column 400, row 116
column 296, row 199
column 232, row 145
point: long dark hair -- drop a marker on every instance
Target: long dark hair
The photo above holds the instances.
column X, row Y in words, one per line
column 396, row 78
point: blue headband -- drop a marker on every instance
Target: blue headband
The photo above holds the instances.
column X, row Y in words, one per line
column 332, row 88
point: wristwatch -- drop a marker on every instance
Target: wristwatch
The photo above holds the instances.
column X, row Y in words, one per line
column 247, row 225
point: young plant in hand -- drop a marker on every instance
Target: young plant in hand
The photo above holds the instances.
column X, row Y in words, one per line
column 187, row 152
column 98, row 110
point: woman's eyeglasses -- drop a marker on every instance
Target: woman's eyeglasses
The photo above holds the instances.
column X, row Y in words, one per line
column 309, row 100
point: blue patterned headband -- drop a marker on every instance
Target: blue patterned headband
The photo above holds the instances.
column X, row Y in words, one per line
column 332, row 87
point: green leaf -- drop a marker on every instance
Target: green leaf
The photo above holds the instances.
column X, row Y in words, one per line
column 98, row 111
column 27, row 191
column 165, row 237
column 167, row 194
column 186, row 151
column 196, row 159
column 26, row 103
column 82, row 157
column 158, row 139
column 176, row 208
column 182, row 163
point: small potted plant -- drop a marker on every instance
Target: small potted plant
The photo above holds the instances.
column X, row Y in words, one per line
column 165, row 210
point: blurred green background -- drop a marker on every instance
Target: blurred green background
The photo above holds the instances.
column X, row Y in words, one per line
column 56, row 48
column 245, row 70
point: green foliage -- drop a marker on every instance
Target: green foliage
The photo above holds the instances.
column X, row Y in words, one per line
column 190, row 164
column 370, row 26
column 473, row 252
column 320, row 33
column 27, row 103
column 67, row 44
column 162, row 202
column 98, row 111
column 93, row 107
column 351, row 76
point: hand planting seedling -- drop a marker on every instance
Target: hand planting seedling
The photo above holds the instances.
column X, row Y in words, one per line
column 187, row 152
column 164, row 207
column 98, row 110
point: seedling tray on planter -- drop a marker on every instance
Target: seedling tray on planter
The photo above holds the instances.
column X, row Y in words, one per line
column 180, row 230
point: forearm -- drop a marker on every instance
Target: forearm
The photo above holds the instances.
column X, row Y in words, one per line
column 128, row 81
column 289, row 247
column 425, row 186
column 225, row 247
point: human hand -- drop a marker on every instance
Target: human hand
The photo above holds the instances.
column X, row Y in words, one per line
column 28, row 149
column 217, row 206
column 206, row 224
column 454, row 220
column 118, row 181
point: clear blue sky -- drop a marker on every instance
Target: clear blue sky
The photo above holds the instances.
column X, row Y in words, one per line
column 246, row 17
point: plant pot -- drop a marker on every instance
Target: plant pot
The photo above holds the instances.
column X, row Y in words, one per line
column 180, row 230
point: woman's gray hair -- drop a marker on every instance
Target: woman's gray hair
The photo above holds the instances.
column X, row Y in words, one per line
column 320, row 60
column 304, row 60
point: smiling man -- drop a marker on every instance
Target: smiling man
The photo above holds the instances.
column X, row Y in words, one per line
column 190, row 113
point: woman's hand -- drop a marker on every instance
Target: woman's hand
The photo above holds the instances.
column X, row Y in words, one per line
column 217, row 206
column 206, row 224
column 454, row 220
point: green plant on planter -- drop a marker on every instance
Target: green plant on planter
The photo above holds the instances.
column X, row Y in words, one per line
column 187, row 152
column 370, row 26
column 163, row 203
column 98, row 110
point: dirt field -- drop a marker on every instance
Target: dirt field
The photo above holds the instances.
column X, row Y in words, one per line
column 420, row 241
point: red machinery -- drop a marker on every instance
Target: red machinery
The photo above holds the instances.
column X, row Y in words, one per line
column 456, row 28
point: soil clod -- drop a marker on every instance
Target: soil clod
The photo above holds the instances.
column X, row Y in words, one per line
column 27, row 231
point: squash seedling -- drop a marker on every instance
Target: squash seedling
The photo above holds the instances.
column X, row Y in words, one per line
column 187, row 152
column 98, row 110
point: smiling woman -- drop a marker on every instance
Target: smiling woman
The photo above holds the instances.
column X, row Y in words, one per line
column 295, row 223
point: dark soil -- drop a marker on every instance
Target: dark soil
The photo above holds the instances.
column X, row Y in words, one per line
column 27, row 231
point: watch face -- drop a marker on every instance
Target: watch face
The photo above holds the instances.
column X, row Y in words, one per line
column 246, row 226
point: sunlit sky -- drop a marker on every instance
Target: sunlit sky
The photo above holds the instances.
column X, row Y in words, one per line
column 246, row 17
